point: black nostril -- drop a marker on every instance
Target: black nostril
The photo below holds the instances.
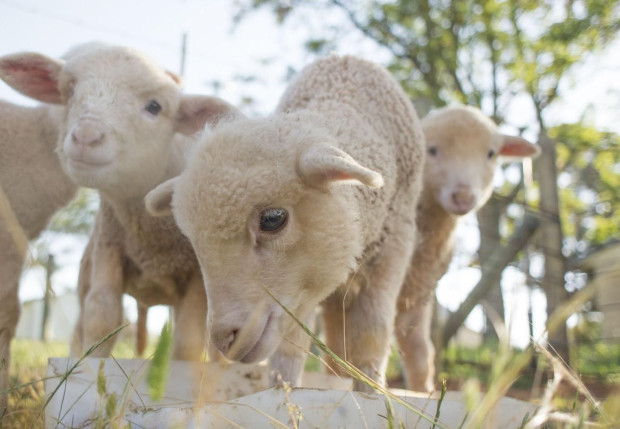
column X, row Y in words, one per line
column 230, row 339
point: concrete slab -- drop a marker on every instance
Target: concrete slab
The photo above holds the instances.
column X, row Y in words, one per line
column 219, row 395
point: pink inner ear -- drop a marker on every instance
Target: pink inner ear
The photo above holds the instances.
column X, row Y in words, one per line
column 339, row 175
column 33, row 80
column 518, row 147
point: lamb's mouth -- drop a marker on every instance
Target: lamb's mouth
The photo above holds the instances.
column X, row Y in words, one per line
column 256, row 352
column 81, row 164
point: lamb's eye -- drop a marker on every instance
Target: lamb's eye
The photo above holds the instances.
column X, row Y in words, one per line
column 272, row 220
column 432, row 150
column 153, row 107
column 491, row 154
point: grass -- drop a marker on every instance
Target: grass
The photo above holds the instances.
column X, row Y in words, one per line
column 484, row 375
column 597, row 364
column 27, row 375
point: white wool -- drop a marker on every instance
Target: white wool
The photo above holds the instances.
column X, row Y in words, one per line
column 342, row 157
column 123, row 131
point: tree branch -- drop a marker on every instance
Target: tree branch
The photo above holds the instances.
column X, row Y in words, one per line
column 491, row 274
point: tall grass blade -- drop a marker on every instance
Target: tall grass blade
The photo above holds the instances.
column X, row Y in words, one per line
column 444, row 389
column 160, row 365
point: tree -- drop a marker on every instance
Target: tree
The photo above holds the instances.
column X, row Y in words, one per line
column 485, row 53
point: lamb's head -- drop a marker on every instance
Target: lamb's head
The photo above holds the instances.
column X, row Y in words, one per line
column 121, row 113
column 464, row 147
column 268, row 207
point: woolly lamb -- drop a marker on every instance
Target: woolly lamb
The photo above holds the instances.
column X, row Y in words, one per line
column 119, row 135
column 313, row 203
column 463, row 148
column 32, row 188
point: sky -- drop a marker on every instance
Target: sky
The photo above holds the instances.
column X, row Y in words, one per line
column 219, row 51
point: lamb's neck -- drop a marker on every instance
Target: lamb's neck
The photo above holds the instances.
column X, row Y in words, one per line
column 132, row 195
column 128, row 210
column 434, row 221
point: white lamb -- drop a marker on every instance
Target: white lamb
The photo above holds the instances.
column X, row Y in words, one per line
column 463, row 149
column 313, row 203
column 119, row 135
column 32, row 188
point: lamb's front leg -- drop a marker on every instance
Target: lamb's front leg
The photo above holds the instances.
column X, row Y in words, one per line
column 190, row 327
column 103, row 304
column 413, row 331
column 287, row 363
column 12, row 254
column 10, row 271
column 369, row 320
column 76, row 348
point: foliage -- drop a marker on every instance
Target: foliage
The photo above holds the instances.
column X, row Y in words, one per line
column 597, row 361
column 473, row 51
column 79, row 216
column 589, row 160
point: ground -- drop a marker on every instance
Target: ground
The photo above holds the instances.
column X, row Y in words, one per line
column 599, row 366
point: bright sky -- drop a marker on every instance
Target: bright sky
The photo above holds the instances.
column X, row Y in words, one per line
column 258, row 46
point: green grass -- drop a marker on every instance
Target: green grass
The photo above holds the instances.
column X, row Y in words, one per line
column 27, row 374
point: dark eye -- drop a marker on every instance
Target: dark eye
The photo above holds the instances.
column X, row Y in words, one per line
column 153, row 107
column 491, row 154
column 432, row 150
column 272, row 220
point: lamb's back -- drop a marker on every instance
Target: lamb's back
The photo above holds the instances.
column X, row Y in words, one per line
column 372, row 119
column 30, row 173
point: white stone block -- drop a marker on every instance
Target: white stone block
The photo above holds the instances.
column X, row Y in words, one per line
column 202, row 395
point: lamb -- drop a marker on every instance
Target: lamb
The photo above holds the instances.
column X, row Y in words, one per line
column 463, row 149
column 315, row 203
column 122, row 135
column 32, row 188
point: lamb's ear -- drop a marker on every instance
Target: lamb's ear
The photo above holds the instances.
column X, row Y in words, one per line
column 518, row 147
column 159, row 201
column 33, row 74
column 322, row 164
column 175, row 77
column 197, row 110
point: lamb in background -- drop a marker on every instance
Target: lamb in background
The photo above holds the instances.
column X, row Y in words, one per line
column 313, row 203
column 32, row 188
column 463, row 148
column 121, row 134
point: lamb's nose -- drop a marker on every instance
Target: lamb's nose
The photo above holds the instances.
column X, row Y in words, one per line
column 88, row 132
column 462, row 198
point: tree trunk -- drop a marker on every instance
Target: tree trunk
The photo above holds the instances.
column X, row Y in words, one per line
column 488, row 224
column 45, row 325
column 551, row 242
